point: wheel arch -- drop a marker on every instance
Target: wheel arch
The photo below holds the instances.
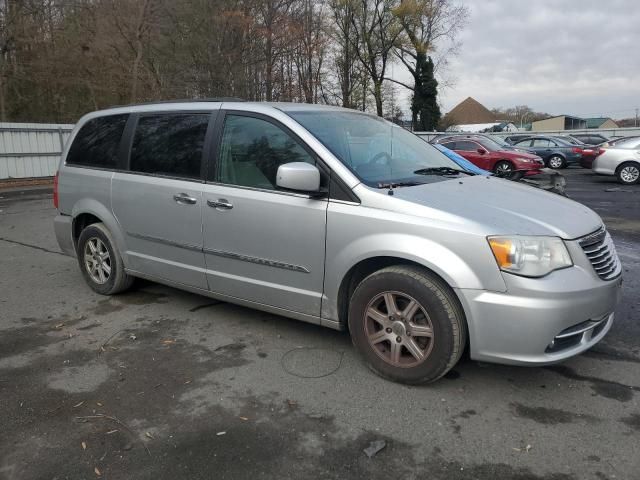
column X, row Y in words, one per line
column 88, row 211
column 367, row 266
column 624, row 162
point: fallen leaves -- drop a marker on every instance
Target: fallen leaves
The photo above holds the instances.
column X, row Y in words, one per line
column 84, row 445
column 148, row 435
column 97, row 471
column 523, row 450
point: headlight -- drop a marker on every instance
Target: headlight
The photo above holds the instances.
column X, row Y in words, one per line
column 527, row 160
column 530, row 256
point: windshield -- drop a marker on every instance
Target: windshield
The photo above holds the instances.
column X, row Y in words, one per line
column 500, row 141
column 375, row 150
column 490, row 144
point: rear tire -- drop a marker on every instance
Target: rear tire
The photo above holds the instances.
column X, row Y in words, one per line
column 100, row 261
column 407, row 324
column 556, row 162
column 628, row 173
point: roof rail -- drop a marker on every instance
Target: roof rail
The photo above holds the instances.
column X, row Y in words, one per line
column 184, row 100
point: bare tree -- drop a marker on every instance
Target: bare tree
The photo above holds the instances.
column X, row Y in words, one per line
column 427, row 25
column 376, row 32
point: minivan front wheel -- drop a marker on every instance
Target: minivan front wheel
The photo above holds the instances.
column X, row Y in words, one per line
column 100, row 261
column 407, row 324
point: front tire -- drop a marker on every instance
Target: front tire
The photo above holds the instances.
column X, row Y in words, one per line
column 556, row 162
column 100, row 261
column 407, row 324
column 628, row 173
column 503, row 168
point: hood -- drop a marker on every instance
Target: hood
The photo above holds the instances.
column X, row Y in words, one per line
column 504, row 207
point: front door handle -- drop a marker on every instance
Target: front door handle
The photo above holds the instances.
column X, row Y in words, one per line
column 185, row 199
column 221, row 204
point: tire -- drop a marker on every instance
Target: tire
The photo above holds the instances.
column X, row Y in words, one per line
column 387, row 345
column 96, row 239
column 628, row 173
column 503, row 168
column 556, row 162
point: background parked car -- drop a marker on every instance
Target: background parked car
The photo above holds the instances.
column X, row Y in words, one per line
column 512, row 139
column 614, row 141
column 460, row 160
column 489, row 155
column 590, row 138
column 555, row 152
column 621, row 160
column 502, row 143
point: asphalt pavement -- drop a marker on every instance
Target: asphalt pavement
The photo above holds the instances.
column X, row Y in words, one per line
column 159, row 383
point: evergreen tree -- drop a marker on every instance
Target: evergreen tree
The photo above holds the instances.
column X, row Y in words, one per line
column 424, row 103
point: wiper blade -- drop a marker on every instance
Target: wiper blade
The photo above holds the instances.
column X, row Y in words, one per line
column 392, row 185
column 441, row 171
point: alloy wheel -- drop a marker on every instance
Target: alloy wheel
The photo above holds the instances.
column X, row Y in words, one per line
column 630, row 174
column 503, row 168
column 555, row 162
column 398, row 329
column 97, row 260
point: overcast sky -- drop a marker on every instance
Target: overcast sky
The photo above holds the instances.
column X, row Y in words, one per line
column 578, row 57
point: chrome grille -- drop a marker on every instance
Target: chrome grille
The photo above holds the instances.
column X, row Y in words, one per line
column 599, row 249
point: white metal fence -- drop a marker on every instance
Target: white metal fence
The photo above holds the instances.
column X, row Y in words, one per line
column 607, row 132
column 31, row 149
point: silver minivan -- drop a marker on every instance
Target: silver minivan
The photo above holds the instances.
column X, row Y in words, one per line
column 339, row 218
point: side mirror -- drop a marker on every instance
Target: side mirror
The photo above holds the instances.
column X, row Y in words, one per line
column 482, row 151
column 298, row 176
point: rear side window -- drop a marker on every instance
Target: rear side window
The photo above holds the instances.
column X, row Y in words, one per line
column 466, row 146
column 169, row 144
column 96, row 144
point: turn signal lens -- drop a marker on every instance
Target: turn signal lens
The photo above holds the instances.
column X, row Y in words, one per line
column 502, row 250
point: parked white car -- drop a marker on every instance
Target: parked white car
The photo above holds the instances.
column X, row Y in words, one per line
column 621, row 160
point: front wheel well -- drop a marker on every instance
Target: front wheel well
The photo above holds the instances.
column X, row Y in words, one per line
column 626, row 162
column 366, row 267
column 81, row 222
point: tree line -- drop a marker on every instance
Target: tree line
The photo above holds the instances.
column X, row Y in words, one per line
column 62, row 58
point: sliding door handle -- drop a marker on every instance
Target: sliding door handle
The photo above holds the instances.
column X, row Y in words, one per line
column 185, row 199
column 220, row 204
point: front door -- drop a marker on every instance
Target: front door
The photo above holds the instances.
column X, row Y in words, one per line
column 159, row 202
column 260, row 243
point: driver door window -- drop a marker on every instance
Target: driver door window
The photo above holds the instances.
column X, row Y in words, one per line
column 251, row 151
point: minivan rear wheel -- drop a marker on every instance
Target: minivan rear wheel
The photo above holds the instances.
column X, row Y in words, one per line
column 100, row 261
column 407, row 324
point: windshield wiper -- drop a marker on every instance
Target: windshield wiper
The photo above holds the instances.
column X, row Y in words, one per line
column 441, row 171
column 392, row 185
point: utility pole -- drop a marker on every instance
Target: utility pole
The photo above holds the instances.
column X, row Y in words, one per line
column 636, row 116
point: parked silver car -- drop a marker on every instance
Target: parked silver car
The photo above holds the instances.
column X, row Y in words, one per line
column 621, row 160
column 338, row 218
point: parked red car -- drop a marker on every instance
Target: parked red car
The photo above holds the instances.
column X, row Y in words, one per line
column 589, row 154
column 489, row 155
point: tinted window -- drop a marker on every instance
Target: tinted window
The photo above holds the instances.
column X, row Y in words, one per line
column 541, row 142
column 96, row 144
column 450, row 145
column 524, row 143
column 169, row 144
column 252, row 150
column 466, row 146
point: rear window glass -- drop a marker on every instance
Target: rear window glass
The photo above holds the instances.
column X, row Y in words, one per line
column 169, row 144
column 96, row 144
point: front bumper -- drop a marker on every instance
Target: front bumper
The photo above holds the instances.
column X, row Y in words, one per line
column 540, row 321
